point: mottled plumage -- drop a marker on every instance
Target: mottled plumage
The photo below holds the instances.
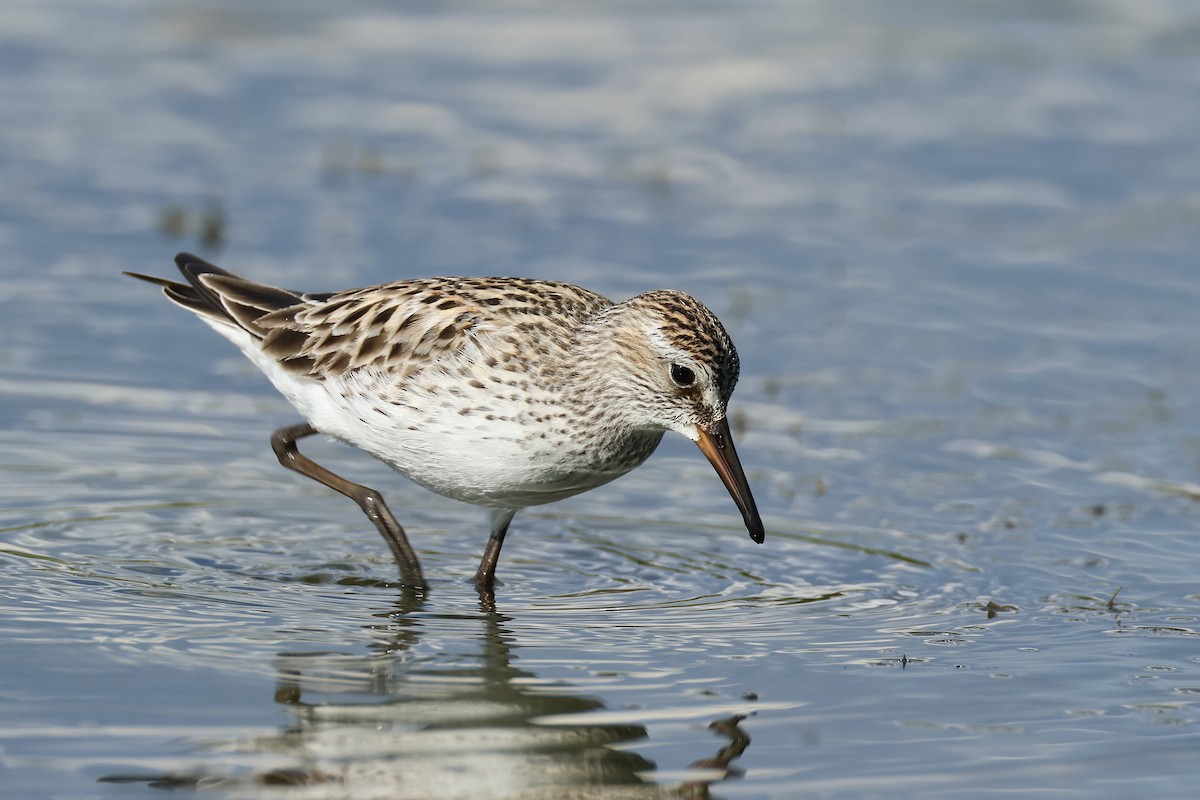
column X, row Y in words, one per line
column 503, row 392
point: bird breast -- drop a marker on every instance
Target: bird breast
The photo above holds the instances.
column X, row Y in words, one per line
column 470, row 442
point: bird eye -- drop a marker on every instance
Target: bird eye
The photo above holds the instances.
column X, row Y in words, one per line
column 682, row 376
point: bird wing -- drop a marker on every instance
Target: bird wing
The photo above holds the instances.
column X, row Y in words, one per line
column 399, row 327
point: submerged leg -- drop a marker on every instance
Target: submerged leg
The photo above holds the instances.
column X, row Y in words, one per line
column 283, row 442
column 485, row 576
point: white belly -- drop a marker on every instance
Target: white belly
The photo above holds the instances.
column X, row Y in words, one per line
column 495, row 455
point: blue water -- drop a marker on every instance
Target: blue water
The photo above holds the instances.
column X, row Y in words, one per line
column 954, row 243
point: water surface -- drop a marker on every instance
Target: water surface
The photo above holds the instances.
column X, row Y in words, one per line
column 955, row 245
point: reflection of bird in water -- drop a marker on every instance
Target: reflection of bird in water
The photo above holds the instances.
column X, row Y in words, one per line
column 503, row 392
column 385, row 725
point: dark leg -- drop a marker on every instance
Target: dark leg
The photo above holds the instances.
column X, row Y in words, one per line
column 485, row 577
column 283, row 442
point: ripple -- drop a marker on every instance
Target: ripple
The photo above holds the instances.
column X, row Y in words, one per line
column 970, row 424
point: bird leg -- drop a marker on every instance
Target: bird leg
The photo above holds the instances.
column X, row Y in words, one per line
column 283, row 442
column 485, row 576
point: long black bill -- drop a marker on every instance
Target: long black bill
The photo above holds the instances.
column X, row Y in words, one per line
column 717, row 446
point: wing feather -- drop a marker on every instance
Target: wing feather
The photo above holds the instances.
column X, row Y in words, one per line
column 401, row 328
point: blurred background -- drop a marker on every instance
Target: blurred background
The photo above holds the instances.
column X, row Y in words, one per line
column 955, row 244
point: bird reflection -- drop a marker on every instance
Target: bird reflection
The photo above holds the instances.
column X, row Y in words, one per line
column 463, row 725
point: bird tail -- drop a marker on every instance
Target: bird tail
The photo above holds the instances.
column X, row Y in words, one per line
column 219, row 296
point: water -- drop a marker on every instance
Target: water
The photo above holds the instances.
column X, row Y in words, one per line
column 955, row 245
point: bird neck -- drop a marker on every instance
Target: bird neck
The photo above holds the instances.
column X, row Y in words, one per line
column 604, row 372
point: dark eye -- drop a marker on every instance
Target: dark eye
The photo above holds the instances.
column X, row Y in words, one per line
column 682, row 376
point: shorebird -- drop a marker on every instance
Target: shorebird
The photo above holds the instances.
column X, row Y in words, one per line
column 501, row 392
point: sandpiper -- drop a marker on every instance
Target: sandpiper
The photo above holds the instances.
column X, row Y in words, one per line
column 502, row 392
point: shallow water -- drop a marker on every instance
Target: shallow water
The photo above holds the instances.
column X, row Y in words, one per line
column 954, row 244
